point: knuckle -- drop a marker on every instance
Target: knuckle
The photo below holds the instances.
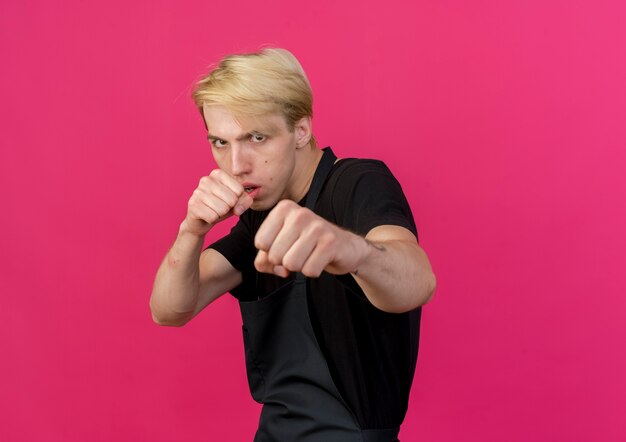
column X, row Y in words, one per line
column 260, row 243
column 327, row 238
column 258, row 265
column 274, row 258
column 290, row 264
column 317, row 228
column 311, row 272
column 259, row 259
column 220, row 211
column 300, row 216
column 285, row 205
column 260, row 262
column 230, row 199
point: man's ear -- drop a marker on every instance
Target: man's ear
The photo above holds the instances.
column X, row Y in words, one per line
column 303, row 130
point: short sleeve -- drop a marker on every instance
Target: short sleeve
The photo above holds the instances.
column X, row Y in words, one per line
column 235, row 246
column 367, row 195
column 238, row 248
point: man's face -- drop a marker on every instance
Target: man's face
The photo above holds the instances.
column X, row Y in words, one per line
column 260, row 153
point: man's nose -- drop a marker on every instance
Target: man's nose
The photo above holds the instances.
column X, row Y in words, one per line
column 240, row 160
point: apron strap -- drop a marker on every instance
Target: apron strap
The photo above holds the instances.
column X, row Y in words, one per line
column 321, row 173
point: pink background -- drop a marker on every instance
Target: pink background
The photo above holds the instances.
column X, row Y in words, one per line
column 504, row 121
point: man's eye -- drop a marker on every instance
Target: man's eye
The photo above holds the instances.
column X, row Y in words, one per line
column 219, row 143
column 257, row 138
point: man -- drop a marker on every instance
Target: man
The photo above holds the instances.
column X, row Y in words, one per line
column 324, row 260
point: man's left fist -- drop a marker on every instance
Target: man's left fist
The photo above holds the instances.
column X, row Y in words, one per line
column 294, row 239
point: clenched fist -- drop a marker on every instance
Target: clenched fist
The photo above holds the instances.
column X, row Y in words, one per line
column 294, row 239
column 217, row 197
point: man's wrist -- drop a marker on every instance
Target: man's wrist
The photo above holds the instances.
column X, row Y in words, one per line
column 368, row 248
column 363, row 252
column 186, row 233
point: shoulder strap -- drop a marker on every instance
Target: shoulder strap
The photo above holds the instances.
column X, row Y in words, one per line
column 319, row 178
column 321, row 173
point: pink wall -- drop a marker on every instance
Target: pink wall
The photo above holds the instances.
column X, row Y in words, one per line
column 503, row 120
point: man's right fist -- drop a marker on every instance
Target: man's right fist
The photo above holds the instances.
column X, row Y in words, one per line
column 217, row 197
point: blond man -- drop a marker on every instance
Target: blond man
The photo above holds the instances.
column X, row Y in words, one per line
column 324, row 260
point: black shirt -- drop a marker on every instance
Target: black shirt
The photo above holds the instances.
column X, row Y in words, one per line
column 371, row 354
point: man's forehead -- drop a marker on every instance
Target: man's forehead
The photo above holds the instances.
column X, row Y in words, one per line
column 219, row 118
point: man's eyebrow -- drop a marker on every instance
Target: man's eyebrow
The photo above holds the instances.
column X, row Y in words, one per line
column 243, row 136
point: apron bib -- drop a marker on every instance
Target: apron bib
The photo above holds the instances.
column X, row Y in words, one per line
column 286, row 369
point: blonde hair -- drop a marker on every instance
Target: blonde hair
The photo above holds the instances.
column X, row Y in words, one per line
column 264, row 82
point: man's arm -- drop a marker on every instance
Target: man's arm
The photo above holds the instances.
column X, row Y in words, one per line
column 388, row 264
column 394, row 271
column 188, row 279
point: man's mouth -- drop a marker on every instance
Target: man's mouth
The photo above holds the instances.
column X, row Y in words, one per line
column 253, row 191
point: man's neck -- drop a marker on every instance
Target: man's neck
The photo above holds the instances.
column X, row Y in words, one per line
column 309, row 162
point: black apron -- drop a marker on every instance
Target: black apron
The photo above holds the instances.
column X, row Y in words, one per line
column 287, row 371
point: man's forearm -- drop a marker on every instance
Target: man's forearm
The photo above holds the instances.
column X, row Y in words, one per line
column 175, row 291
column 395, row 275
